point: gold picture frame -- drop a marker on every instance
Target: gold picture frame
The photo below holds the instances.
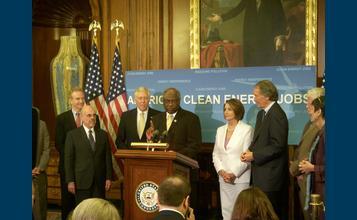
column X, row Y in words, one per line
column 310, row 33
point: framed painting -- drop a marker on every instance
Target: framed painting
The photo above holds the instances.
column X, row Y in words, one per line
column 231, row 33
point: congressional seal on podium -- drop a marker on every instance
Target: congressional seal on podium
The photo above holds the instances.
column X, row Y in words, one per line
column 146, row 196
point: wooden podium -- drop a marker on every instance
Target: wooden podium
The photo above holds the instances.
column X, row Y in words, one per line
column 143, row 172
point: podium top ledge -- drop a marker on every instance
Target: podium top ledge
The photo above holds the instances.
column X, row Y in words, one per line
column 158, row 155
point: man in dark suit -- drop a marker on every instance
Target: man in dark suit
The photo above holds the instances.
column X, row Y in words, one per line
column 268, row 152
column 183, row 127
column 264, row 30
column 134, row 123
column 88, row 159
column 173, row 199
column 183, row 131
column 66, row 122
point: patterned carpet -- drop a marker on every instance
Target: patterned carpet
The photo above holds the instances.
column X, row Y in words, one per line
column 54, row 215
column 53, row 212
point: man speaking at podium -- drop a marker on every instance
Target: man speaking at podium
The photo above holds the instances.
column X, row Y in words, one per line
column 135, row 122
column 183, row 130
column 183, row 127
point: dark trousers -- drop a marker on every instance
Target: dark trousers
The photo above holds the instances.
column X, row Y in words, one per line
column 40, row 205
column 95, row 191
column 67, row 198
column 194, row 191
column 279, row 200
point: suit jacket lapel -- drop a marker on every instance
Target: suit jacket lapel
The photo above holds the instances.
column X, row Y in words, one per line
column 234, row 136
column 258, row 125
column 70, row 118
column 98, row 140
column 176, row 118
column 223, row 135
column 134, row 122
column 261, row 123
column 147, row 124
column 160, row 122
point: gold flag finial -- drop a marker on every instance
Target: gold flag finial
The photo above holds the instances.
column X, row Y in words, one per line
column 95, row 25
column 117, row 24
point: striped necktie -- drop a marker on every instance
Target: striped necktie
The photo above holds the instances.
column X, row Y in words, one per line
column 91, row 139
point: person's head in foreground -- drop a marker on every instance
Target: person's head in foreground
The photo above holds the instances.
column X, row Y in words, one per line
column 253, row 204
column 174, row 193
column 95, row 209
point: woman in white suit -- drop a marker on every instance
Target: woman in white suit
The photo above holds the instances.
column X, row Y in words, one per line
column 232, row 139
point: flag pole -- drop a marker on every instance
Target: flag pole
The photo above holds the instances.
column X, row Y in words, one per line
column 117, row 25
column 94, row 25
column 116, row 99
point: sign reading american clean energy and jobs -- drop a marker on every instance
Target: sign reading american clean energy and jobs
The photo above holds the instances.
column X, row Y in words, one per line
column 204, row 91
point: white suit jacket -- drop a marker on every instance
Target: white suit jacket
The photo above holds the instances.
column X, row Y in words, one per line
column 229, row 159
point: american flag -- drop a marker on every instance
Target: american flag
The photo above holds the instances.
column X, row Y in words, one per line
column 116, row 98
column 94, row 95
column 323, row 80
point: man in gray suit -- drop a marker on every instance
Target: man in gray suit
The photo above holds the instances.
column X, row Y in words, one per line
column 88, row 161
column 268, row 152
column 39, row 176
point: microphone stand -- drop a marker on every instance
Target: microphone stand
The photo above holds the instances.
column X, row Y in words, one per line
column 316, row 204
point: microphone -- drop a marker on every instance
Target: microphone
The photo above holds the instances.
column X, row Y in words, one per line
column 155, row 136
column 163, row 137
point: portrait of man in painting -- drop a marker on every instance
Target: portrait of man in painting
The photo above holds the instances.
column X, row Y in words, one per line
column 252, row 33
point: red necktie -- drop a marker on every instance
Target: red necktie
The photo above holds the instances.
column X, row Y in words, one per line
column 78, row 120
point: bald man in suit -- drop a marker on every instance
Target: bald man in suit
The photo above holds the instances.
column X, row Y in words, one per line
column 66, row 122
column 88, row 159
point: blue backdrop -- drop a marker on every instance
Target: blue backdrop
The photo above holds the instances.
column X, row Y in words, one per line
column 204, row 91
